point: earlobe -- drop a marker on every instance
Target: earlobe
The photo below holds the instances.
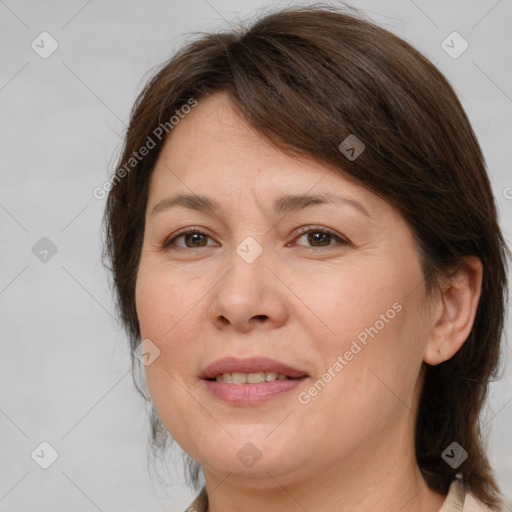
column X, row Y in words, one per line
column 455, row 311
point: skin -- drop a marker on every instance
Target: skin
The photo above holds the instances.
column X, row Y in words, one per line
column 302, row 301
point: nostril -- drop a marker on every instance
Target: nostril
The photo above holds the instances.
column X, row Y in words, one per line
column 261, row 317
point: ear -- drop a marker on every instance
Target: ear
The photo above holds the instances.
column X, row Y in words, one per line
column 454, row 311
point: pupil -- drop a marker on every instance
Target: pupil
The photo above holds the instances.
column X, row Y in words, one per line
column 194, row 238
column 319, row 237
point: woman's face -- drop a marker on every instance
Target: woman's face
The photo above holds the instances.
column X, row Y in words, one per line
column 331, row 288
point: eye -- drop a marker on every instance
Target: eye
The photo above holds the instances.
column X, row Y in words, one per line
column 319, row 236
column 191, row 237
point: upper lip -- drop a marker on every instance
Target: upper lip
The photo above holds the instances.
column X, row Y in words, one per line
column 249, row 365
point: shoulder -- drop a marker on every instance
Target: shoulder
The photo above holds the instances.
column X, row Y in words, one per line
column 460, row 500
column 471, row 504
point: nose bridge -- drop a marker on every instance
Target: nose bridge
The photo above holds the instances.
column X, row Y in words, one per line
column 248, row 275
column 248, row 290
column 249, row 250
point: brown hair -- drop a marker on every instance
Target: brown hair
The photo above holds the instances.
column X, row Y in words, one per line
column 306, row 78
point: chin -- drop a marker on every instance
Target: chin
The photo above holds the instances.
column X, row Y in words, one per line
column 249, row 456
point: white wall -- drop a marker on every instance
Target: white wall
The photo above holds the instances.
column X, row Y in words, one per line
column 64, row 367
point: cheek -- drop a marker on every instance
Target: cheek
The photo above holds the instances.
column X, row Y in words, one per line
column 170, row 309
column 164, row 302
column 349, row 301
column 375, row 343
column 382, row 361
column 163, row 299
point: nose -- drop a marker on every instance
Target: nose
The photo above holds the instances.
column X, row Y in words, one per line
column 249, row 296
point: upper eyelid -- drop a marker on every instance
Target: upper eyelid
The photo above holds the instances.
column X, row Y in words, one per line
column 185, row 231
column 306, row 229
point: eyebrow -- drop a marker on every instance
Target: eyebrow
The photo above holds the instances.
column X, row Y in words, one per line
column 280, row 206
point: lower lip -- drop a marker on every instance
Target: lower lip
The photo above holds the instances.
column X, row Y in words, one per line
column 251, row 394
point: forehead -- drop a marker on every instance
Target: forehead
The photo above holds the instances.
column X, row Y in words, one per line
column 214, row 152
column 213, row 145
column 214, row 135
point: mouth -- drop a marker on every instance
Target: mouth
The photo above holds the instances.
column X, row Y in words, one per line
column 250, row 381
column 252, row 370
column 251, row 378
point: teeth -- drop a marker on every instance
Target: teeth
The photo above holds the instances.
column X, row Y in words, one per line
column 250, row 378
column 255, row 378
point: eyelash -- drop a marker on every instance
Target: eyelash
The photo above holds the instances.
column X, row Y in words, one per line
column 302, row 230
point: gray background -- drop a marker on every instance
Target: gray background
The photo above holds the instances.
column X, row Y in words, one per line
column 64, row 368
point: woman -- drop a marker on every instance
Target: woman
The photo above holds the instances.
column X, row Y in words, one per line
column 308, row 263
